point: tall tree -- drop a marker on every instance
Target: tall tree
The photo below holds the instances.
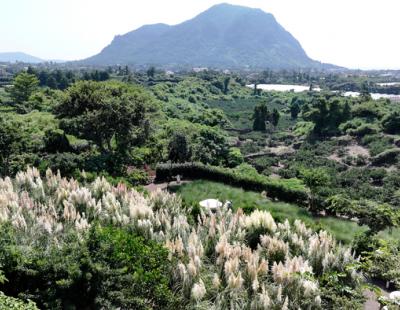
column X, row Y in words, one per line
column 151, row 72
column 179, row 149
column 111, row 114
column 365, row 93
column 315, row 179
column 226, row 84
column 9, row 138
column 260, row 117
column 275, row 116
column 294, row 110
column 211, row 146
column 24, row 85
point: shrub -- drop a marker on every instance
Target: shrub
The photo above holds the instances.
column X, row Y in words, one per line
column 377, row 217
column 382, row 261
column 377, row 175
column 55, row 141
column 137, row 177
column 387, row 157
column 377, row 143
column 370, row 109
column 391, row 123
column 131, row 272
column 365, row 129
column 11, row 303
column 67, row 163
column 234, row 157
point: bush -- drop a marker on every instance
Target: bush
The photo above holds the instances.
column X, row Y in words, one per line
column 11, row 303
column 55, row 141
column 365, row 129
column 132, row 273
column 391, row 123
column 387, row 157
column 67, row 163
column 285, row 190
column 235, row 157
column 106, row 268
column 377, row 143
column 137, row 177
column 377, row 217
column 370, row 110
column 377, row 175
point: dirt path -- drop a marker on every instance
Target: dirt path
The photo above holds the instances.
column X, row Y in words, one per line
column 372, row 302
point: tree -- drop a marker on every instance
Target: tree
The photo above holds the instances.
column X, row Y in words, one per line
column 210, row 147
column 52, row 82
column 391, row 123
column 255, row 90
column 275, row 117
column 226, row 84
column 31, row 70
column 179, row 149
column 364, row 93
column 24, row 85
column 43, row 77
column 56, row 141
column 104, row 76
column 235, row 157
column 295, row 107
column 346, row 114
column 127, row 71
column 151, row 72
column 111, row 114
column 315, row 179
column 9, row 138
column 260, row 116
column 326, row 114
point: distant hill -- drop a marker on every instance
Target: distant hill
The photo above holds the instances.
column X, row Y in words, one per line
column 18, row 56
column 226, row 36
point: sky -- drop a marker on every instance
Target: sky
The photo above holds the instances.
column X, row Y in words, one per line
column 352, row 33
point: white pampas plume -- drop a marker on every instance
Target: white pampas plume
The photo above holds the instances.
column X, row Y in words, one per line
column 198, row 291
column 216, row 281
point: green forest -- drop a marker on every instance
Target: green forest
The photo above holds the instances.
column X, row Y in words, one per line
column 102, row 171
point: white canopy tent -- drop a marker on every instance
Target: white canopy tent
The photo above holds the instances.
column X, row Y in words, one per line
column 211, row 204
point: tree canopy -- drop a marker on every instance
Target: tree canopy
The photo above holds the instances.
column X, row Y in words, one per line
column 111, row 114
column 24, row 85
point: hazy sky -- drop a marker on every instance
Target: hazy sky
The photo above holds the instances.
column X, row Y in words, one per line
column 351, row 33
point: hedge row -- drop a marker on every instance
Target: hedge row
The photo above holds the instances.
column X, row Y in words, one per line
column 285, row 190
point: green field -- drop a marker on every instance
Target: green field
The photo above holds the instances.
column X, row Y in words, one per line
column 196, row 191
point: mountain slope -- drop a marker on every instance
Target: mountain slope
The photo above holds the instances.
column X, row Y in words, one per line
column 18, row 56
column 223, row 36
